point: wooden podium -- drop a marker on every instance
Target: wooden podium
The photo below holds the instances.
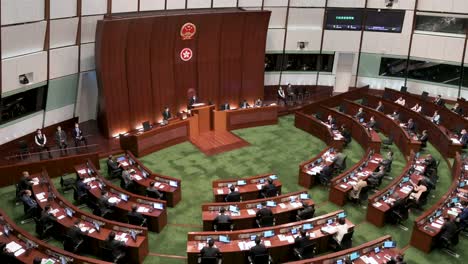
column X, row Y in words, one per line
column 201, row 121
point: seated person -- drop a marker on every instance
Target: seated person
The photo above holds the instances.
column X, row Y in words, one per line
column 457, row 109
column 372, row 123
column 331, row 122
column 75, row 233
column 46, row 221
column 269, row 189
column 115, row 246
column 430, row 162
column 424, row 137
column 448, row 235
column 210, row 251
column 153, row 192
column 410, row 126
column 244, row 104
column 264, row 211
column 225, row 106
column 78, row 137
column 436, row 118
column 30, row 205
column 233, row 196
column 387, row 162
column 463, row 216
column 398, row 259
column 222, row 219
column 417, row 108
column 81, row 188
column 463, row 138
column 166, row 114
column 103, row 203
column 376, row 177
column 395, row 116
column 301, row 242
column 360, row 114
column 439, row 101
column 326, row 174
column 127, row 180
column 357, row 188
column 258, row 103
column 259, row 249
column 346, row 134
column 339, row 231
column 61, row 138
column 400, row 101
column 418, row 190
column 114, row 169
column 380, row 107
column 134, row 217
column 307, row 212
column 25, row 182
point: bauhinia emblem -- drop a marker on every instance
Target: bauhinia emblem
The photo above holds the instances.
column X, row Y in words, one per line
column 188, row 30
column 186, row 54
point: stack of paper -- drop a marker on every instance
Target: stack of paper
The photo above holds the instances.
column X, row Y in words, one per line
column 377, row 204
column 282, row 205
column 201, row 245
column 259, row 186
column 19, row 252
column 344, row 186
column 438, row 226
column 251, row 212
column 142, row 209
column 13, row 246
column 137, row 177
column 89, row 179
column 122, row 237
column 220, row 191
column 82, row 171
column 267, row 243
column 406, row 189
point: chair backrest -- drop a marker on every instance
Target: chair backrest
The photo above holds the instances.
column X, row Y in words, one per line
column 309, row 251
column 133, row 220
column 152, row 194
column 106, row 253
column 267, row 220
column 307, row 215
column 346, row 242
column 261, row 259
column 23, row 145
column 223, row 227
column 271, row 192
column 233, row 198
column 209, row 260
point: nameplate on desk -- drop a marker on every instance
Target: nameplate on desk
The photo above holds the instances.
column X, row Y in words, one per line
column 137, row 177
column 282, row 205
column 61, row 217
column 344, row 186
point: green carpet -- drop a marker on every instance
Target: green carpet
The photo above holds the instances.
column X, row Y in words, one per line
column 278, row 149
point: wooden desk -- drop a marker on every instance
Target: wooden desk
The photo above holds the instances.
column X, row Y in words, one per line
column 437, row 136
column 342, row 184
column 11, row 174
column 280, row 250
column 405, row 142
column 41, row 249
column 249, row 191
column 244, row 118
column 285, row 211
column 309, row 169
column 136, row 251
column 156, row 219
column 142, row 143
column 172, row 193
column 314, row 126
column 378, row 210
column 366, row 249
column 424, row 235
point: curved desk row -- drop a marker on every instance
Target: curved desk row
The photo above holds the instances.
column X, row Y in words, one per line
column 153, row 210
column 427, row 226
column 280, row 244
column 169, row 186
column 310, row 168
column 249, row 187
column 243, row 214
column 46, row 194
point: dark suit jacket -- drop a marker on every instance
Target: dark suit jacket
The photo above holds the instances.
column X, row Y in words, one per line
column 233, row 197
column 257, row 250
column 60, row 135
column 136, row 215
column 210, row 252
column 371, row 124
column 306, row 213
column 116, row 247
column 77, row 134
column 47, row 219
column 244, row 105
column 380, row 108
column 423, row 139
column 166, row 115
column 359, row 115
column 458, row 110
column 81, row 188
column 193, row 101
column 301, row 242
column 411, row 127
column 75, row 234
column 103, row 202
column 264, row 212
column 153, row 193
column 440, row 102
column 225, row 107
column 222, row 219
column 430, row 163
column 448, row 230
column 464, row 139
column 25, row 183
column 268, row 188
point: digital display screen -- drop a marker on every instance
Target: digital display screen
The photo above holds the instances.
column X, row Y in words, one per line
column 385, row 20
column 344, row 19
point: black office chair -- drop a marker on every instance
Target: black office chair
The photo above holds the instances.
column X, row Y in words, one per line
column 266, row 221
column 307, row 252
column 270, row 193
column 386, row 143
column 66, row 184
column 23, row 149
column 29, row 213
column 260, row 259
column 43, row 231
column 108, row 256
column 209, row 260
column 341, row 166
column 233, row 198
column 79, row 199
column 305, row 216
column 223, row 227
column 154, row 194
column 346, row 242
column 136, row 221
column 70, row 245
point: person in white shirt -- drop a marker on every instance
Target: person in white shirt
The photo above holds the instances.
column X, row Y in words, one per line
column 340, row 230
column 400, row 101
column 41, row 141
column 417, row 108
column 436, row 118
column 281, row 95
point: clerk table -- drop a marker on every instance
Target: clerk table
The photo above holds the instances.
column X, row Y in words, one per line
column 381, row 203
column 46, row 194
column 308, row 170
column 170, row 187
column 245, row 117
column 285, row 211
column 156, row 218
column 280, row 245
column 343, row 184
column 249, row 191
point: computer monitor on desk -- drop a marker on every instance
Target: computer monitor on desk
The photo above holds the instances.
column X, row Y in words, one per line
column 146, row 126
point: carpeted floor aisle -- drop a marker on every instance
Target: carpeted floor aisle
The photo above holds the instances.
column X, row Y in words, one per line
column 277, row 149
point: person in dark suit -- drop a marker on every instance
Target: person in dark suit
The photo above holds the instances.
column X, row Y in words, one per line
column 114, row 169
column 463, row 216
column 301, row 242
column 439, row 101
column 117, row 247
column 75, row 233
column 410, row 126
column 259, row 249
column 264, row 211
column 387, row 162
column 331, row 122
column 457, row 109
column 359, row 114
column 307, row 212
column 37, row 260
column 77, row 134
column 395, row 116
column 61, row 138
column 47, row 218
column 193, row 100
column 436, row 118
column 127, row 181
column 372, row 123
column 29, row 203
column 398, row 259
column 25, row 182
column 103, row 201
column 81, row 187
column 290, row 93
column 153, row 191
column 346, row 134
column 166, row 114
column 376, row 177
column 137, row 217
column 225, row 106
column 269, row 189
column 244, row 104
column 430, row 162
column 380, row 107
column 464, row 138
column 222, row 218
column 233, row 196
column 448, row 232
column 41, row 141
column 326, row 174
column 210, row 251
column 424, row 137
